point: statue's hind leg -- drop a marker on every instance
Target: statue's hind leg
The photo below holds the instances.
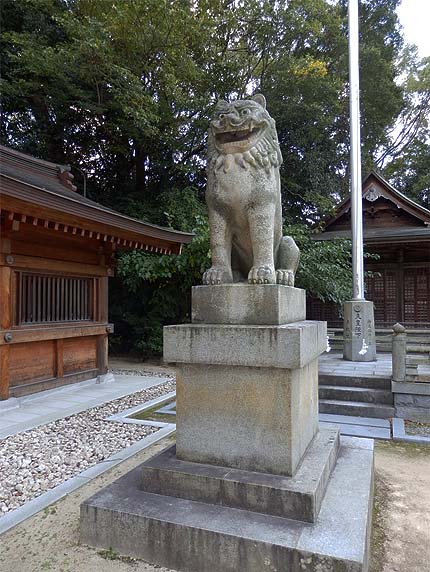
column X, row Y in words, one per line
column 287, row 261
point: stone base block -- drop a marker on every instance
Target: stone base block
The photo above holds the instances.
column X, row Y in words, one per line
column 255, row 304
column 249, row 418
column 289, row 346
column 297, row 497
column 359, row 331
column 192, row 536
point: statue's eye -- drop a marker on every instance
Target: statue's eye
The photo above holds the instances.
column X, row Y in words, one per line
column 245, row 111
column 221, row 116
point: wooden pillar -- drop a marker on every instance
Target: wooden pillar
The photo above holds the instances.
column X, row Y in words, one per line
column 59, row 371
column 102, row 354
column 400, row 277
column 5, row 324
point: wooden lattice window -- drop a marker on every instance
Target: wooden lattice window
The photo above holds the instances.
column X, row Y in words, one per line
column 44, row 299
column 417, row 295
column 382, row 289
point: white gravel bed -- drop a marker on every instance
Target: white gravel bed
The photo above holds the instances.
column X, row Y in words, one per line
column 140, row 372
column 35, row 461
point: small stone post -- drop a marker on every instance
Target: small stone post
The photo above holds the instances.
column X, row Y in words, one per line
column 399, row 353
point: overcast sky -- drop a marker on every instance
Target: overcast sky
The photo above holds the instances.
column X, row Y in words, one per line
column 414, row 16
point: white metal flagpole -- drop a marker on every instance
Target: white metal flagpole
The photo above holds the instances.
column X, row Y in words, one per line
column 359, row 324
column 355, row 154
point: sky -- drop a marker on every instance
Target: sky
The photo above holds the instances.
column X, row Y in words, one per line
column 414, row 16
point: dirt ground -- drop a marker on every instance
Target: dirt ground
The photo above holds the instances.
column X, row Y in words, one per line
column 49, row 541
column 401, row 525
column 140, row 367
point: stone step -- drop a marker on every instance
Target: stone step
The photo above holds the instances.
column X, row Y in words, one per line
column 358, row 408
column 417, row 360
column 298, row 497
column 366, row 394
column 193, row 536
column 418, row 377
column 355, row 381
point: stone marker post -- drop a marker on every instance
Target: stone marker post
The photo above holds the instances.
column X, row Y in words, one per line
column 398, row 354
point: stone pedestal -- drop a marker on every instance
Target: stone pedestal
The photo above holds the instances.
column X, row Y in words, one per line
column 359, row 331
column 252, row 484
column 250, row 304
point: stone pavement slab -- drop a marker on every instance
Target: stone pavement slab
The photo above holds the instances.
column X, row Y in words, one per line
column 352, row 420
column 361, row 430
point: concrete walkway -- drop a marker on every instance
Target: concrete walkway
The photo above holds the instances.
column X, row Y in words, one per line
column 334, row 364
column 24, row 413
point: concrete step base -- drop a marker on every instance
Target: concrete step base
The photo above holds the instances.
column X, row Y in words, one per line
column 192, row 536
column 352, row 381
column 357, row 408
column 298, row 497
column 364, row 394
column 418, row 378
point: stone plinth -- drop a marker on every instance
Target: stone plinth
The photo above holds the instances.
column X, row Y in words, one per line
column 297, row 497
column 251, row 418
column 359, row 331
column 248, row 304
column 193, row 536
column 290, row 346
column 247, row 396
column 253, row 485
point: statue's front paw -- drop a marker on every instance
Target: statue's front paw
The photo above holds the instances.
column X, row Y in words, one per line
column 285, row 277
column 262, row 275
column 217, row 276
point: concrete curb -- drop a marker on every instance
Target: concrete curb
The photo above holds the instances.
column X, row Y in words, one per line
column 74, row 409
column 399, row 434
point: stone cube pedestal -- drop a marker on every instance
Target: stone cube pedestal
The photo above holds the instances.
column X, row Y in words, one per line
column 248, row 304
column 247, row 396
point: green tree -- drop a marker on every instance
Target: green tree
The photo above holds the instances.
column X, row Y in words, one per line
column 124, row 91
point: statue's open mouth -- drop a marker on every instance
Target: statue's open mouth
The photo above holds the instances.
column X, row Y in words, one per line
column 236, row 136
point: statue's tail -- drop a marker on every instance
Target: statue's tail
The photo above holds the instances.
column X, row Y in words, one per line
column 288, row 259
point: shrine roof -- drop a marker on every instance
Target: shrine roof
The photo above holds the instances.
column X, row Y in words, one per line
column 32, row 187
column 388, row 215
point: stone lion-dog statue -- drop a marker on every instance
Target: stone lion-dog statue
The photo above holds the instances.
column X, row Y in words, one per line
column 243, row 195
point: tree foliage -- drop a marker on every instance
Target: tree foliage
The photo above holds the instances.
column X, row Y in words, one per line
column 123, row 91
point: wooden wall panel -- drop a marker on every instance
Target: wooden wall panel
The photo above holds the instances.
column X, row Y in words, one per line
column 79, row 354
column 31, row 362
column 4, row 371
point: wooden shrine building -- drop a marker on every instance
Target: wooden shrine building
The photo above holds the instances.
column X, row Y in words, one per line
column 398, row 230
column 57, row 252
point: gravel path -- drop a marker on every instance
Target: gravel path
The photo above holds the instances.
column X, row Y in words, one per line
column 35, row 461
column 416, row 428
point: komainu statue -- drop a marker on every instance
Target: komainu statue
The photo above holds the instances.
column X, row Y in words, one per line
column 243, row 195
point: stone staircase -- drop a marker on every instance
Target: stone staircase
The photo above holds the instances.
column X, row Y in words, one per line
column 357, row 396
column 418, row 340
column 418, row 368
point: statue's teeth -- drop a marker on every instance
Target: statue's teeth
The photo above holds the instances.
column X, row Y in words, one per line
column 239, row 160
column 228, row 161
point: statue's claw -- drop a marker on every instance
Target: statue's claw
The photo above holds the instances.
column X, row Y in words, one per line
column 285, row 277
column 262, row 275
column 217, row 276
